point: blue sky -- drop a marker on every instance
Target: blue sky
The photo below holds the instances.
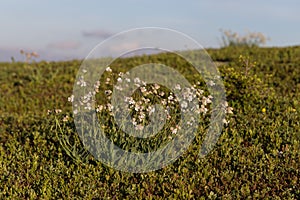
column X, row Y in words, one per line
column 66, row 29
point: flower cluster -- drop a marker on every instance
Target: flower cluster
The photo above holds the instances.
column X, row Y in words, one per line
column 29, row 55
column 141, row 105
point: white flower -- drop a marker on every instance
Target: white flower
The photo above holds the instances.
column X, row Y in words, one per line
column 88, row 106
column 137, row 107
column 229, row 110
column 225, row 104
column 225, row 122
column 142, row 116
column 84, row 71
column 108, row 92
column 146, row 100
column 110, row 107
column 107, row 80
column 86, row 98
column 187, row 93
column 131, row 101
column 226, row 108
column 65, row 119
column 190, row 98
column 58, row 111
column 71, row 98
column 81, row 82
column 96, row 86
column 192, row 119
column 203, row 109
column 152, row 110
column 143, row 89
column 108, row 69
column 126, row 99
column 139, row 127
column 164, row 102
column 118, row 87
column 205, row 101
column 197, row 109
column 173, row 130
column 211, row 83
column 177, row 87
column 99, row 108
column 170, row 98
column 137, row 80
column 162, row 94
column 184, row 104
column 208, row 100
column 119, row 79
column 134, row 122
column 156, row 86
column 75, row 111
column 199, row 92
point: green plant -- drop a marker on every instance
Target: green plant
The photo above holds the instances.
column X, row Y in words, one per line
column 257, row 155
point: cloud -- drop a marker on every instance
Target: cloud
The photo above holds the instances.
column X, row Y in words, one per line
column 65, row 45
column 97, row 33
column 121, row 48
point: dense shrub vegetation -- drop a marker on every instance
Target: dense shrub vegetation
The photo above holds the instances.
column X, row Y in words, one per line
column 257, row 155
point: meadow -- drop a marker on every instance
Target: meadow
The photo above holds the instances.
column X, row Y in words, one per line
column 256, row 157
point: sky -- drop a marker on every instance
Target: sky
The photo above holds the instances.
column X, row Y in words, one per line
column 70, row 29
